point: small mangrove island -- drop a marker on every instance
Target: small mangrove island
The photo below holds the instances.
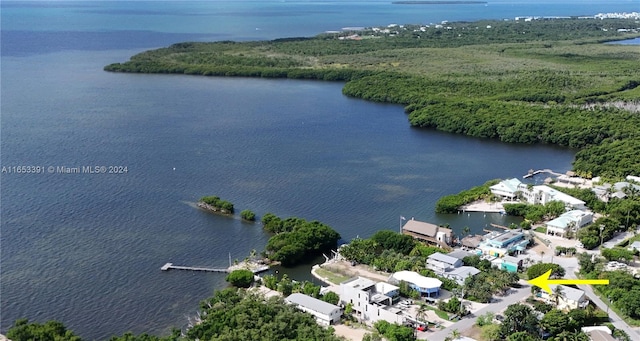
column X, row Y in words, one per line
column 549, row 81
column 215, row 204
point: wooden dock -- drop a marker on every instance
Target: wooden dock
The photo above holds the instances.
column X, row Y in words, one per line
column 499, row 226
column 170, row 266
column 532, row 173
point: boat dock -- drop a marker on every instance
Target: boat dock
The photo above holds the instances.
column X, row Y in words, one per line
column 499, row 226
column 532, row 173
column 170, row 266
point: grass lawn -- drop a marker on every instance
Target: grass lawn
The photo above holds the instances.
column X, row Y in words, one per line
column 332, row 277
column 541, row 229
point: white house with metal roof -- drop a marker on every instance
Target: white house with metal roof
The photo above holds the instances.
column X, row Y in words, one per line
column 573, row 219
column 569, row 298
column 460, row 274
column 439, row 262
column 543, row 194
column 325, row 313
column 507, row 189
column 450, row 267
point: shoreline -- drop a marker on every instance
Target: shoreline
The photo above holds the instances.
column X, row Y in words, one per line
column 482, row 206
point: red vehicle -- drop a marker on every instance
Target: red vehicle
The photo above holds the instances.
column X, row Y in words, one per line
column 421, row 328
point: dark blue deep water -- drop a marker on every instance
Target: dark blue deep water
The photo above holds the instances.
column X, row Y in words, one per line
column 86, row 249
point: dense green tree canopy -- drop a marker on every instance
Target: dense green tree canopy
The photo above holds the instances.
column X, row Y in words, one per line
column 524, row 82
column 22, row 330
column 519, row 318
column 240, row 278
column 238, row 315
column 392, row 240
column 297, row 238
column 539, row 269
column 218, row 204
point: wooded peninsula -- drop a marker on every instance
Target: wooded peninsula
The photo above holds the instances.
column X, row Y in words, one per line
column 552, row 81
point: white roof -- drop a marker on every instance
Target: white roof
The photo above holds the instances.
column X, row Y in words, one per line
column 558, row 196
column 441, row 257
column 359, row 283
column 464, row 271
column 569, row 293
column 312, row 303
column 417, row 279
column 385, row 288
column 566, row 218
column 560, row 222
column 510, row 185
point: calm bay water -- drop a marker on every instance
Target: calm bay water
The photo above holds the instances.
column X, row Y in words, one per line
column 86, row 248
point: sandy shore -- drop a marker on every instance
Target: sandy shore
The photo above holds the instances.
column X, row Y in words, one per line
column 483, row 206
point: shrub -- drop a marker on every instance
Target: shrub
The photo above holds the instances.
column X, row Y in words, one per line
column 240, row 278
column 248, row 215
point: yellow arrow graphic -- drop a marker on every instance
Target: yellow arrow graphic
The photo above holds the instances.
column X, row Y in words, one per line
column 543, row 281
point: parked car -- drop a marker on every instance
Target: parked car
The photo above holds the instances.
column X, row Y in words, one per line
column 421, row 328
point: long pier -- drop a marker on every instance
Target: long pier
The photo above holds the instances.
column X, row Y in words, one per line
column 170, row 266
column 546, row 170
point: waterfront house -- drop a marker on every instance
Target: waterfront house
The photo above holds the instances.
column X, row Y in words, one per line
column 569, row 298
column 471, row 242
column 429, row 233
column 500, row 243
column 371, row 301
column 425, row 285
column 543, row 194
column 325, row 313
column 618, row 190
column 507, row 189
column 571, row 220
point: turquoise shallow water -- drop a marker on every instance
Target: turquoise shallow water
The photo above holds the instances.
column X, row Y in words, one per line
column 86, row 248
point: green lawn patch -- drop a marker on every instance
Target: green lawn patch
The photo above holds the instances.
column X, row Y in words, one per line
column 332, row 277
column 441, row 314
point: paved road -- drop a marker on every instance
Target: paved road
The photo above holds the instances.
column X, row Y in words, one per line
column 613, row 317
column 570, row 264
column 515, row 296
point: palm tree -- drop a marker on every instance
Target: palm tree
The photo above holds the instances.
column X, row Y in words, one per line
column 455, row 334
column 556, row 294
column 421, row 314
column 466, row 231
